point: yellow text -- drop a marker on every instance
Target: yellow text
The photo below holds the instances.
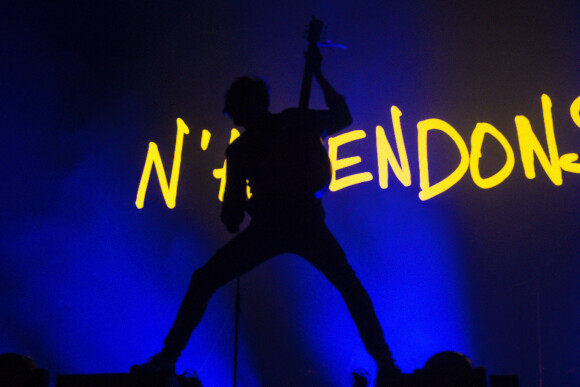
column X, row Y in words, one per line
column 530, row 150
column 153, row 158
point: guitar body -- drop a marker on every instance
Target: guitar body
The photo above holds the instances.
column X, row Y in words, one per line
column 310, row 162
column 290, row 160
column 320, row 171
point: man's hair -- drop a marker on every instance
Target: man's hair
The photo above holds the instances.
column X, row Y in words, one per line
column 247, row 91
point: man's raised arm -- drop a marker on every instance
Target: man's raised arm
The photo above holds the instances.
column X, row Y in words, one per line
column 339, row 114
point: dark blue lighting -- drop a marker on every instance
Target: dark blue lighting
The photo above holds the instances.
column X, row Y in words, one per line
column 91, row 284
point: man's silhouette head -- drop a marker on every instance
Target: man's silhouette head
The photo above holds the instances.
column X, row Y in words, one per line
column 247, row 100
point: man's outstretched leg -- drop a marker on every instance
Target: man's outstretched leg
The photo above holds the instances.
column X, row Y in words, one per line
column 241, row 254
column 188, row 317
column 363, row 314
column 325, row 253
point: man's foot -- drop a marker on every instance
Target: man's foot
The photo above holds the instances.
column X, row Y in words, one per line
column 359, row 378
column 156, row 363
column 389, row 376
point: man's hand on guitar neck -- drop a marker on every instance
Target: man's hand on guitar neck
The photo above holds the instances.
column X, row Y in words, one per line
column 314, row 59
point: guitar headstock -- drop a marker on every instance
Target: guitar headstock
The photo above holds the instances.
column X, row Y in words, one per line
column 314, row 31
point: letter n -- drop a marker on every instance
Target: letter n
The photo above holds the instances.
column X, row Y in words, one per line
column 169, row 190
column 530, row 145
column 386, row 156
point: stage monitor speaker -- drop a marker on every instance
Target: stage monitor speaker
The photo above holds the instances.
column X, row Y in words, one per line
column 503, row 381
column 117, row 380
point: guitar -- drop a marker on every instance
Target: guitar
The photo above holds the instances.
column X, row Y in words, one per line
column 318, row 169
column 314, row 32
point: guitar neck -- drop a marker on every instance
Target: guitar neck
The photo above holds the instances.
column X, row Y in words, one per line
column 315, row 29
column 305, row 88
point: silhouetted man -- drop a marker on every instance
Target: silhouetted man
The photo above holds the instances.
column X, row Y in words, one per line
column 281, row 157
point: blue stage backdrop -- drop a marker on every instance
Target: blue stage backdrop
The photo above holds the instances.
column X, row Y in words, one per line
column 488, row 265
